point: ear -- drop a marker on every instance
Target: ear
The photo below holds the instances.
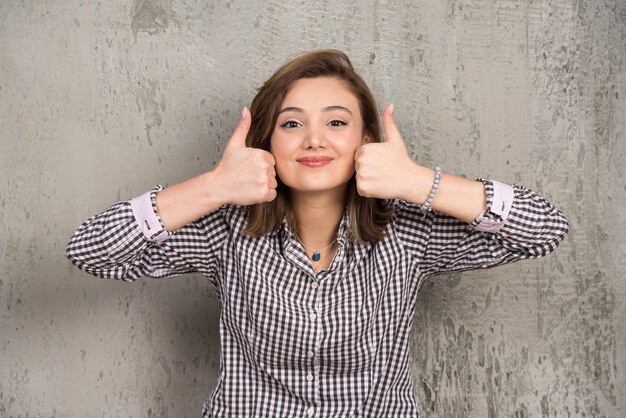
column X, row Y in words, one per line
column 367, row 139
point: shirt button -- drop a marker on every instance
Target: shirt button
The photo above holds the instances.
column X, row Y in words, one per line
column 310, row 353
column 338, row 258
column 309, row 377
column 314, row 285
column 312, row 317
column 310, row 412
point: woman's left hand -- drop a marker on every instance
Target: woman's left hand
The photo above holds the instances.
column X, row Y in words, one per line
column 385, row 170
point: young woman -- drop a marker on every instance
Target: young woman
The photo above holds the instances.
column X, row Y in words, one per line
column 316, row 235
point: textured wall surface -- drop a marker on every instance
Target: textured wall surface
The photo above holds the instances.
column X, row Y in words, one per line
column 99, row 101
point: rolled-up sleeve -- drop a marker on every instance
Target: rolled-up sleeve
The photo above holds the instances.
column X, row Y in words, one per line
column 516, row 224
column 147, row 218
column 499, row 202
column 128, row 240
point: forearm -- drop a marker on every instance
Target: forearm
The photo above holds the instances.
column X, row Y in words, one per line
column 188, row 201
column 456, row 196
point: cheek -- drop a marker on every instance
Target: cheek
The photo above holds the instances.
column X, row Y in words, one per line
column 349, row 148
column 285, row 173
column 281, row 156
column 281, row 144
column 277, row 148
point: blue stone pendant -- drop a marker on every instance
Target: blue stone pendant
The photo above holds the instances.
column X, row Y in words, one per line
column 316, row 256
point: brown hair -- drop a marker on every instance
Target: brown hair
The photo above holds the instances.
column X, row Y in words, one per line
column 367, row 216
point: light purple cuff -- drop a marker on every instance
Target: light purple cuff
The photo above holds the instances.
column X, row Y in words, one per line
column 500, row 205
column 147, row 219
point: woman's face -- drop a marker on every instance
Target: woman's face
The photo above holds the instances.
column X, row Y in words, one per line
column 318, row 130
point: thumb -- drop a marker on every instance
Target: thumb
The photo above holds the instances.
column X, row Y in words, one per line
column 392, row 134
column 238, row 139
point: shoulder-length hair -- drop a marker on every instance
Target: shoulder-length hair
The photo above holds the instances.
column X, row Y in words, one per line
column 367, row 216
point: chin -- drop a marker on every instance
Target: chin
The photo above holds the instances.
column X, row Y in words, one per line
column 317, row 182
column 309, row 187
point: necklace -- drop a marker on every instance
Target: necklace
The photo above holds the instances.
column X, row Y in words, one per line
column 316, row 254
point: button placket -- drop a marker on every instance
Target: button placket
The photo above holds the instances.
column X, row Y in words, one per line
column 312, row 376
column 314, row 285
column 318, row 341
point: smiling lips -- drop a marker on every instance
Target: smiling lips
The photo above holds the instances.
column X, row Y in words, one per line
column 314, row 162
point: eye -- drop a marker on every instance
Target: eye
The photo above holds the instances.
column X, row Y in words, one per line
column 337, row 123
column 290, row 124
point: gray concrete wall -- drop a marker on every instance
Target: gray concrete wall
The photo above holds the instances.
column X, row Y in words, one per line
column 99, row 101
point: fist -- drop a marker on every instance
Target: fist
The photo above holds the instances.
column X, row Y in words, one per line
column 245, row 176
column 384, row 170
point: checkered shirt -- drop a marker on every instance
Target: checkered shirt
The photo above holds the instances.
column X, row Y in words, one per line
column 296, row 343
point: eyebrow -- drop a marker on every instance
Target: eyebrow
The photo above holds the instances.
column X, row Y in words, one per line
column 326, row 109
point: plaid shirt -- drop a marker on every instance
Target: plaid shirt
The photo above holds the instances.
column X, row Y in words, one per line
column 296, row 343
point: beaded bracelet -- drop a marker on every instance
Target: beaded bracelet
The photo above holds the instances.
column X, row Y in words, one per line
column 426, row 206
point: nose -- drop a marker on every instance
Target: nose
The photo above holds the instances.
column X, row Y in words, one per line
column 314, row 138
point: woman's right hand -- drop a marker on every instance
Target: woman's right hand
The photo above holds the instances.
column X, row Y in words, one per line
column 244, row 176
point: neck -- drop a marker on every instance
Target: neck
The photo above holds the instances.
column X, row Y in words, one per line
column 318, row 216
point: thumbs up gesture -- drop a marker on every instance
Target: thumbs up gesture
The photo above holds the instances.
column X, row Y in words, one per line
column 385, row 170
column 245, row 176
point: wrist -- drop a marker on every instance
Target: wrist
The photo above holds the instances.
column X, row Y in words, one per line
column 188, row 201
column 212, row 195
column 420, row 183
